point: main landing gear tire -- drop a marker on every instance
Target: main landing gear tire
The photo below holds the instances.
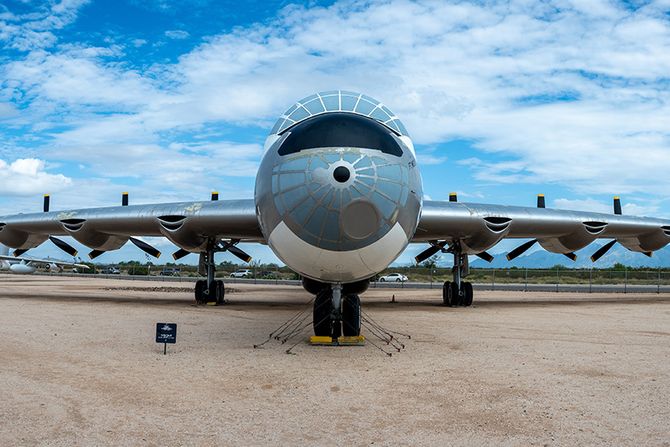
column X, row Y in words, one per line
column 351, row 316
column 468, row 294
column 200, row 287
column 215, row 295
column 220, row 292
column 452, row 297
column 446, row 294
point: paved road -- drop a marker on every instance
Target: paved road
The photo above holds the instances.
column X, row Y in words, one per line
column 580, row 288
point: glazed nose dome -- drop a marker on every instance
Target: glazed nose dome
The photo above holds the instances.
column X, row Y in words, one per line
column 340, row 198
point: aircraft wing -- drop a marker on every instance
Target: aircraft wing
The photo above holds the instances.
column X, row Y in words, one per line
column 42, row 261
column 478, row 227
column 190, row 225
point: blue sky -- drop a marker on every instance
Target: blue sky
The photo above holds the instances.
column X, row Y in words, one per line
column 170, row 100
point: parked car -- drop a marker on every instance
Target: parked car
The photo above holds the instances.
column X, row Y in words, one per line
column 242, row 274
column 168, row 271
column 110, row 271
column 393, row 277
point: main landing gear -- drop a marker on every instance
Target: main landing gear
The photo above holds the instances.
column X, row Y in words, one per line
column 210, row 290
column 337, row 308
column 458, row 292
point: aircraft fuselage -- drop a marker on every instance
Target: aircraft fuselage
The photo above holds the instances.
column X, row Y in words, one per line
column 338, row 196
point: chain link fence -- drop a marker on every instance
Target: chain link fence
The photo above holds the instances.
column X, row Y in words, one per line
column 519, row 279
column 559, row 279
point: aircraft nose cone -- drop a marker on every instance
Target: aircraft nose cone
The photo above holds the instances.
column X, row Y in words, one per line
column 340, row 199
column 341, row 174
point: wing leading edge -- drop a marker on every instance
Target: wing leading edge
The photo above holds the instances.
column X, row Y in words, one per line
column 189, row 225
column 478, row 227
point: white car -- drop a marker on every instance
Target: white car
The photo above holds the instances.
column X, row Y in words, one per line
column 393, row 277
column 242, row 274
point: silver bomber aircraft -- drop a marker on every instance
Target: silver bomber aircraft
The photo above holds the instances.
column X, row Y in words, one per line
column 338, row 197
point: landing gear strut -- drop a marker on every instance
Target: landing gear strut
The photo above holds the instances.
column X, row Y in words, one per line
column 209, row 290
column 458, row 292
column 337, row 314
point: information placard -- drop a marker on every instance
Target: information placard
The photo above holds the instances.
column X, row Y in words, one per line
column 166, row 333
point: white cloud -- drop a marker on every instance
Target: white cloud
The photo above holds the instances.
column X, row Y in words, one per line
column 596, row 206
column 484, row 73
column 27, row 176
column 36, row 29
column 7, row 110
column 177, row 34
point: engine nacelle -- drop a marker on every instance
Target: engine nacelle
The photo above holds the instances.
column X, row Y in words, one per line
column 177, row 229
column 79, row 229
column 576, row 240
column 20, row 240
column 492, row 230
column 652, row 241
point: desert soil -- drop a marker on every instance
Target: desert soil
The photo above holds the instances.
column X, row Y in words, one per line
column 79, row 366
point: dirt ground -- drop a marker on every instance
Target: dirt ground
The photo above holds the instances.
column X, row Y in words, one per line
column 79, row 366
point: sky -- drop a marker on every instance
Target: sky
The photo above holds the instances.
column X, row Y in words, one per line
column 170, row 100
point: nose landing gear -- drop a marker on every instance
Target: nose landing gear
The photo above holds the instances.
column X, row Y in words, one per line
column 337, row 314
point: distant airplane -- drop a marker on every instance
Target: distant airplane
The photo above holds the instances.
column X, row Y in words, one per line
column 27, row 266
column 338, row 197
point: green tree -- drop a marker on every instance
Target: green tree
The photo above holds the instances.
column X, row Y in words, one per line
column 431, row 262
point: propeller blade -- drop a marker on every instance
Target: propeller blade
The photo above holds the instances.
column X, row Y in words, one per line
column 18, row 253
column 427, row 253
column 602, row 250
column 570, row 256
column 430, row 251
column 95, row 253
column 148, row 249
column 521, row 249
column 67, row 248
column 540, row 201
column 617, row 205
column 239, row 253
column 177, row 255
column 485, row 256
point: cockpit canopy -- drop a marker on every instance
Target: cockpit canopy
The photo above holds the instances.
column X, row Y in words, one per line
column 340, row 129
column 339, row 101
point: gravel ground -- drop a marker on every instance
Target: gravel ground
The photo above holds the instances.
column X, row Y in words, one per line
column 79, row 366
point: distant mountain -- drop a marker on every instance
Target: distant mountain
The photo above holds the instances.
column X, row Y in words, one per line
column 545, row 259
